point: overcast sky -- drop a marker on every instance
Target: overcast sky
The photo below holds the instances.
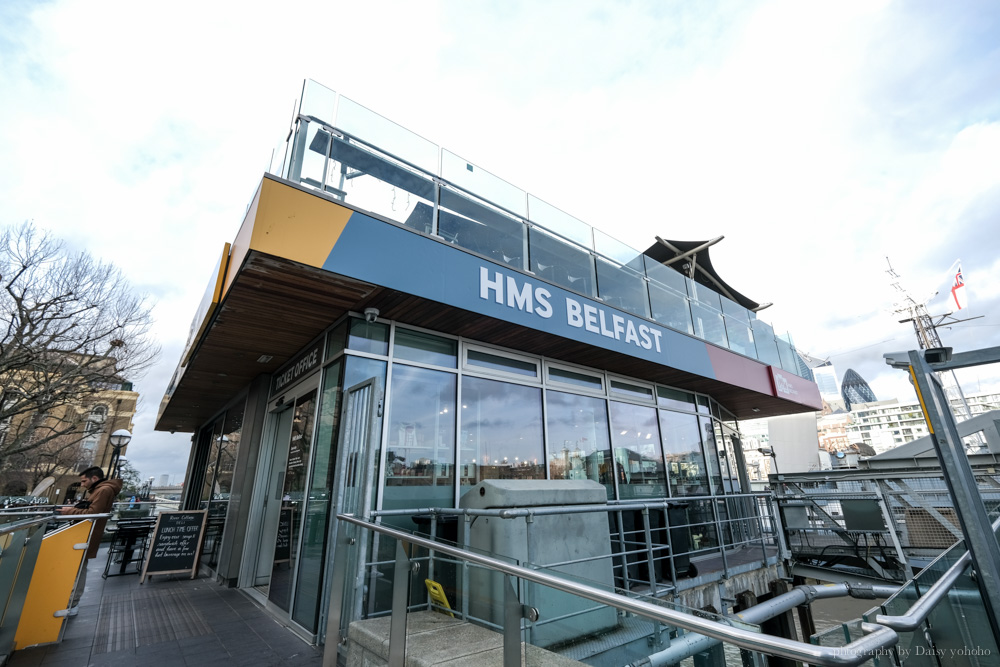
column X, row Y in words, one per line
column 818, row 138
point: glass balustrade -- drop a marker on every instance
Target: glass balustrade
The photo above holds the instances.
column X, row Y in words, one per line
column 363, row 159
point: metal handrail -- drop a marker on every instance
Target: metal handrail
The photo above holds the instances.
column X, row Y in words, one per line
column 922, row 608
column 877, row 636
column 610, row 506
column 919, row 612
column 14, row 527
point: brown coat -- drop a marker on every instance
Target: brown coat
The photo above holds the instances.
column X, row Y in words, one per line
column 101, row 497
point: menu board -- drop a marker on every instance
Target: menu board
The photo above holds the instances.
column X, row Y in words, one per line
column 175, row 544
column 283, row 541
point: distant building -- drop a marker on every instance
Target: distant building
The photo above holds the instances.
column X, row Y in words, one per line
column 86, row 427
column 855, row 389
column 825, row 376
column 884, row 425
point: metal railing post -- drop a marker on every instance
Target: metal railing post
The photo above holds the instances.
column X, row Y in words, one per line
column 400, row 594
column 652, row 569
column 670, row 544
column 721, row 531
column 463, row 540
column 976, row 526
column 527, row 591
column 511, row 623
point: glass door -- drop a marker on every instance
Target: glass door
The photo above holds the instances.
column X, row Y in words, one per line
column 273, row 485
column 296, row 467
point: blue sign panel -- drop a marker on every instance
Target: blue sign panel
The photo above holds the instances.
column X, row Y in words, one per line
column 417, row 265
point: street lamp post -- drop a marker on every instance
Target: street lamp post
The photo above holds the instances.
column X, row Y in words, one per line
column 118, row 440
column 768, row 451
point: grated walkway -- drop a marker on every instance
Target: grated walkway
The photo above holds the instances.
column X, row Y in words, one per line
column 168, row 622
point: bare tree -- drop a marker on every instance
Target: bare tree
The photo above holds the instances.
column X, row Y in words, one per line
column 70, row 327
column 52, row 458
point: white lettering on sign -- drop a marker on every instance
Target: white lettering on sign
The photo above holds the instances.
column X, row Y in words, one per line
column 294, row 371
column 525, row 296
column 783, row 386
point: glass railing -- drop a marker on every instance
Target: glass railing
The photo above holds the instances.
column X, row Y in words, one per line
column 364, row 159
column 956, row 631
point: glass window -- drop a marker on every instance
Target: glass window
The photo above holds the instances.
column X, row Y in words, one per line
column 560, row 262
column 420, row 444
column 631, row 390
column 378, row 182
column 579, row 447
column 371, row 337
column 318, row 101
column 473, row 178
column 708, row 324
column 318, row 502
column 286, row 548
column 501, row 436
column 561, row 223
column 787, row 355
column 675, row 398
column 229, row 446
column 740, row 338
column 209, row 490
column 475, row 225
column 594, row 382
column 670, row 308
column 734, row 310
column 664, row 275
column 313, row 161
column 480, row 359
column 363, row 122
column 335, row 340
column 623, row 288
column 638, row 455
column 425, row 348
column 767, row 349
column 734, row 455
column 711, row 454
column 704, row 295
column 685, row 461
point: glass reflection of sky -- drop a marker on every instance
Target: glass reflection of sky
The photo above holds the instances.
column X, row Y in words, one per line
column 684, row 458
column 579, row 447
column 501, row 427
column 422, row 425
column 638, row 455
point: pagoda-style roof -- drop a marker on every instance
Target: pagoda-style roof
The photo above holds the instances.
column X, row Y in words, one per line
column 692, row 259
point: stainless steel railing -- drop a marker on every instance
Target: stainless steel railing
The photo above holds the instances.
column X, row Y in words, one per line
column 878, row 637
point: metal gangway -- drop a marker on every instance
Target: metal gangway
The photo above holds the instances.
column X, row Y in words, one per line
column 872, row 524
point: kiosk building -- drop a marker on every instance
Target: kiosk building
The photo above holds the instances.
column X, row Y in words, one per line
column 484, row 334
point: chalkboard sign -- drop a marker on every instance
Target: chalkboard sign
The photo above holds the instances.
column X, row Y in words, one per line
column 175, row 544
column 283, row 541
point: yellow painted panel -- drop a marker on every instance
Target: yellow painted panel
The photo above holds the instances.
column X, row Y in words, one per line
column 211, row 299
column 296, row 225
column 51, row 586
column 241, row 244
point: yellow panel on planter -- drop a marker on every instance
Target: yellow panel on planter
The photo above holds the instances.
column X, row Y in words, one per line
column 52, row 584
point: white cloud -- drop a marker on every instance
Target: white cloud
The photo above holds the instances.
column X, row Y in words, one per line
column 816, row 138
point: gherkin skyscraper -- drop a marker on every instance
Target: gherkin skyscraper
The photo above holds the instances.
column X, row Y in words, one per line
column 854, row 389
